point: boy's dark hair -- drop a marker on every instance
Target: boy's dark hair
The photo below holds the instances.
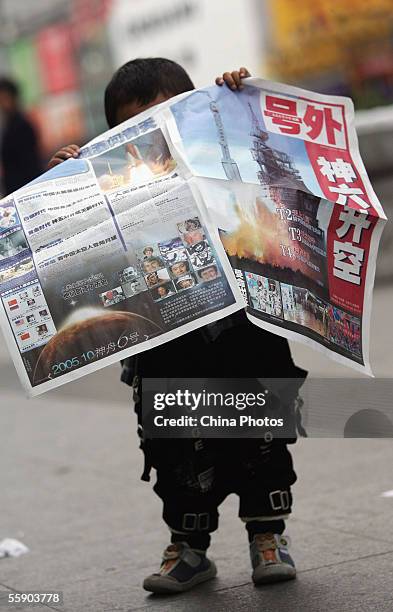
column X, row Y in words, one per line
column 142, row 80
column 9, row 87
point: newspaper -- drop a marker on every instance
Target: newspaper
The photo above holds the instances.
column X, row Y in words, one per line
column 211, row 202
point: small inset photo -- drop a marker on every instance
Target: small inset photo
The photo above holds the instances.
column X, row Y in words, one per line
column 344, row 330
column 185, row 282
column 8, row 215
column 133, row 287
column 304, row 308
column 156, row 278
column 30, row 318
column 172, row 257
column 163, row 291
column 112, row 296
column 179, row 269
column 152, row 264
column 128, row 274
column 150, row 250
column 13, row 244
column 265, row 294
column 170, row 245
column 201, row 254
column 191, row 231
column 42, row 329
column 209, row 273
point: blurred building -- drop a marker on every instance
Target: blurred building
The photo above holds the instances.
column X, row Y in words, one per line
column 205, row 36
column 58, row 52
column 63, row 52
column 337, row 47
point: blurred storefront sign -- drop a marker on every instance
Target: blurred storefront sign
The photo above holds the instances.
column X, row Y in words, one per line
column 24, row 67
column 55, row 52
column 205, row 37
column 345, row 47
column 96, row 68
column 60, row 119
column 85, row 15
column 23, row 19
column 58, row 53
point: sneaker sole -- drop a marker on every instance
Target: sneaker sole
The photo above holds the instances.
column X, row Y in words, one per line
column 273, row 573
column 166, row 584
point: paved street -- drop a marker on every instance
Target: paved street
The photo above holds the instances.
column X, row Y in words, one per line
column 70, row 490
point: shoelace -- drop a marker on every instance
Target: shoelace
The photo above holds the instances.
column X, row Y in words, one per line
column 265, row 541
column 171, row 552
column 169, row 557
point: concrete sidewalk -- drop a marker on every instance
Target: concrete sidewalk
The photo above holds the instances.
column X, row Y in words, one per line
column 70, row 490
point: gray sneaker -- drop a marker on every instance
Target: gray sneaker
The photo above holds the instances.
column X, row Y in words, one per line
column 270, row 559
column 182, row 568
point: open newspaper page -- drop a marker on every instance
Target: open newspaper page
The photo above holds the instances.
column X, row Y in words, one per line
column 211, row 202
column 105, row 256
column 280, row 172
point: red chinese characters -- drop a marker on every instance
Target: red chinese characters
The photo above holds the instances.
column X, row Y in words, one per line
column 300, row 118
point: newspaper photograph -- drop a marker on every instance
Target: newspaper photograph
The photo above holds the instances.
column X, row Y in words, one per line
column 211, row 202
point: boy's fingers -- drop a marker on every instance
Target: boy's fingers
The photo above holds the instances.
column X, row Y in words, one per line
column 228, row 78
column 72, row 149
column 54, row 162
column 65, row 153
column 236, row 78
column 233, row 79
column 244, row 73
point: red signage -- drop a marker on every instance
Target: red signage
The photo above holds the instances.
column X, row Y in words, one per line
column 55, row 52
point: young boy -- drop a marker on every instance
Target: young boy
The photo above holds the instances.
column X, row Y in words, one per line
column 195, row 476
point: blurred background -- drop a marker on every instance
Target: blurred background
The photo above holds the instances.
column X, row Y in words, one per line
column 63, row 52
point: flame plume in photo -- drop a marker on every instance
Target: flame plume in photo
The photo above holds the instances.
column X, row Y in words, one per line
column 258, row 237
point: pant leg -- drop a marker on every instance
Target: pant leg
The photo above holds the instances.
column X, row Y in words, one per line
column 264, row 481
column 187, row 484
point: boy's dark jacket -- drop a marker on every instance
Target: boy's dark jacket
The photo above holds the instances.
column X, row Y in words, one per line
column 230, row 348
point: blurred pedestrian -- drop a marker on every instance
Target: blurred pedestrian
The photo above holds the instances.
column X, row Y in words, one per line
column 19, row 148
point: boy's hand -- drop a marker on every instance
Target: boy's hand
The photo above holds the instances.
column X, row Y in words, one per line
column 233, row 79
column 65, row 153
